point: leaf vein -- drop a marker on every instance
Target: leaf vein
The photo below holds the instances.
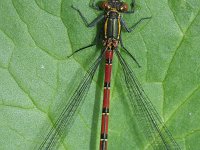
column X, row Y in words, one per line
column 46, row 10
column 179, row 45
column 183, row 102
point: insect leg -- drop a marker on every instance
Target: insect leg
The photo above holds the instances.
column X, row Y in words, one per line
column 94, row 6
column 97, row 38
column 93, row 23
column 127, row 52
column 134, row 26
column 132, row 8
column 93, row 44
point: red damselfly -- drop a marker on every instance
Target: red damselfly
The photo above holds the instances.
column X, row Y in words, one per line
column 148, row 118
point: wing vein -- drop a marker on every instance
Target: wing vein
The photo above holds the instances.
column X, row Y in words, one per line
column 65, row 118
column 148, row 118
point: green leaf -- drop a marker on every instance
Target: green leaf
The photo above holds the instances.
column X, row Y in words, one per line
column 37, row 78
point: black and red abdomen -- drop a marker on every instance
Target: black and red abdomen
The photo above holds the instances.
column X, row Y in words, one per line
column 112, row 27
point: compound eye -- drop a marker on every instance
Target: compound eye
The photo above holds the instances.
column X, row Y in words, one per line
column 105, row 6
column 124, row 7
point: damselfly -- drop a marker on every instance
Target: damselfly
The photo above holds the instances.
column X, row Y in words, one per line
column 148, row 119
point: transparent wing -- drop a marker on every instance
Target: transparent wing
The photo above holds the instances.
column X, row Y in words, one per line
column 148, row 118
column 63, row 122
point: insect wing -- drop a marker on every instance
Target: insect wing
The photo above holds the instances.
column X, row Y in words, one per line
column 148, row 118
column 58, row 131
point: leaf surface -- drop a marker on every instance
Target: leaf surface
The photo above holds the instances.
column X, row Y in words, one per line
column 37, row 78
